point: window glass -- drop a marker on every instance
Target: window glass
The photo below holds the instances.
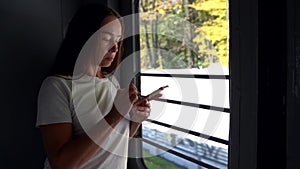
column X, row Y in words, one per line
column 183, row 34
column 189, row 38
column 213, row 92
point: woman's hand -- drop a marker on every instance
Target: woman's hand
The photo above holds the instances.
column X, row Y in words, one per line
column 141, row 110
column 133, row 93
column 125, row 98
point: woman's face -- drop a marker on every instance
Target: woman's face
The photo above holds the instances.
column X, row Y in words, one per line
column 110, row 35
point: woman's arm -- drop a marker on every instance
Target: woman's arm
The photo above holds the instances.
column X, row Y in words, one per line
column 134, row 126
column 66, row 152
column 140, row 112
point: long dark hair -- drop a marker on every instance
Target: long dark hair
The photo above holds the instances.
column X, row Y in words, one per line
column 82, row 26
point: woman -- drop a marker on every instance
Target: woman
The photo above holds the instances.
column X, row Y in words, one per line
column 82, row 114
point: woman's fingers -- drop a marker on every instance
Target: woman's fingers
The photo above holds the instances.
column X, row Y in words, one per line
column 141, row 111
column 143, row 108
column 156, row 96
column 133, row 93
column 142, row 102
column 140, row 116
column 133, row 97
column 143, row 114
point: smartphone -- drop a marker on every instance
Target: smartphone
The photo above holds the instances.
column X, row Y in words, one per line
column 155, row 92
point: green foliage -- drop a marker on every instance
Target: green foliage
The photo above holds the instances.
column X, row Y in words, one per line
column 156, row 162
column 183, row 33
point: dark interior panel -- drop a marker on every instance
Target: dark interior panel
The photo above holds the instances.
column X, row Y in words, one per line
column 31, row 32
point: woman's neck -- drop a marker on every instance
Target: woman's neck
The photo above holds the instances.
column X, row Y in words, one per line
column 99, row 73
column 95, row 71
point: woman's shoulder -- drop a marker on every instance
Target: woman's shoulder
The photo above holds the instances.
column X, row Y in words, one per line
column 56, row 79
column 56, row 82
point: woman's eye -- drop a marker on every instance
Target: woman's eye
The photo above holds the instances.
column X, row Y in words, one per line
column 111, row 39
column 106, row 38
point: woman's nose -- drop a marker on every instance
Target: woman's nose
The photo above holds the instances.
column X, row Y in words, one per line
column 114, row 48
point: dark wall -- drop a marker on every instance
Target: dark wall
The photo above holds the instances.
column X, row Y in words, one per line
column 293, row 86
column 30, row 35
column 272, row 54
column 264, row 72
column 31, row 32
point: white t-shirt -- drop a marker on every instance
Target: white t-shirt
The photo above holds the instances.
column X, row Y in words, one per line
column 89, row 101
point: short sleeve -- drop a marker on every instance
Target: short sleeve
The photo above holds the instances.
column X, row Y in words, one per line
column 53, row 102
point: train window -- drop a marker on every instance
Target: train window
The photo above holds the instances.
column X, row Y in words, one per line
column 184, row 44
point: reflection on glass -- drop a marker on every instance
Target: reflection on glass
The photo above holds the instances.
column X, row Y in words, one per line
column 208, row 152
